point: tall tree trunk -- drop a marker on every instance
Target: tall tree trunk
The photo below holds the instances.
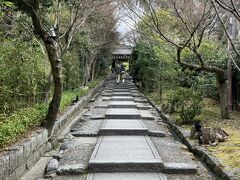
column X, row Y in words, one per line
column 93, row 69
column 48, row 88
column 87, row 70
column 223, row 94
column 86, row 74
column 54, row 105
column 160, row 92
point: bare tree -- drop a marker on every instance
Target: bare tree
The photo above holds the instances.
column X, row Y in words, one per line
column 231, row 7
column 103, row 34
column 193, row 21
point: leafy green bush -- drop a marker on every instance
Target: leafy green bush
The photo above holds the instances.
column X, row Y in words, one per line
column 187, row 102
column 23, row 74
column 20, row 122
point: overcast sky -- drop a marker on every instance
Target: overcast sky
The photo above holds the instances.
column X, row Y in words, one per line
column 125, row 24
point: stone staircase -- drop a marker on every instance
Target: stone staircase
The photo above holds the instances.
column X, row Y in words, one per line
column 124, row 149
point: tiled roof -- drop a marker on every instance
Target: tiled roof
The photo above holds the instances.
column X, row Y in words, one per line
column 126, row 50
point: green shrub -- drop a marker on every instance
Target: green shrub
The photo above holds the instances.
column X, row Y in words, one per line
column 19, row 122
column 186, row 102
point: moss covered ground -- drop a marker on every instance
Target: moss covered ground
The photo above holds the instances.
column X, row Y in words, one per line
column 227, row 152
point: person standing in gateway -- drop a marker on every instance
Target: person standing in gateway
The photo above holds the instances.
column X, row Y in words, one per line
column 119, row 71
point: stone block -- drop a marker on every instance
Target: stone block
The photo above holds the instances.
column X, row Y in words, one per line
column 16, row 158
column 49, row 147
column 26, row 149
column 85, row 133
column 30, row 162
column 180, row 168
column 34, row 158
column 45, row 135
column 51, row 166
column 34, row 142
column 157, row 133
column 17, row 173
column 42, row 149
column 71, row 169
column 4, row 164
column 115, row 132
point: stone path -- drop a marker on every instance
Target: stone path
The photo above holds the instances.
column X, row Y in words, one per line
column 121, row 137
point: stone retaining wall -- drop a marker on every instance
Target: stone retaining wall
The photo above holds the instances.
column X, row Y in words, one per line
column 212, row 162
column 19, row 158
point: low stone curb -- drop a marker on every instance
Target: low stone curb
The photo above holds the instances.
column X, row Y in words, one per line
column 19, row 158
column 212, row 162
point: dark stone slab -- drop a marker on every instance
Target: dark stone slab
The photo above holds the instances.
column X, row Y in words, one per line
column 101, row 106
column 157, row 133
column 85, row 133
column 180, row 168
column 114, row 132
column 126, row 166
column 143, row 107
column 97, row 116
column 71, row 169
column 140, row 100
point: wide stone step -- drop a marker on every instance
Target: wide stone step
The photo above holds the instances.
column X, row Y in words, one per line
column 126, row 176
column 117, row 94
column 125, row 154
column 122, row 113
column 122, row 94
column 123, row 127
column 122, row 87
column 122, row 104
column 117, row 90
column 119, row 98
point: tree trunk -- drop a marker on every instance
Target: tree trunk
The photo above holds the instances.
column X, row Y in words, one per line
column 87, row 70
column 86, row 74
column 54, row 105
column 160, row 93
column 223, row 94
column 48, row 88
column 93, row 69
